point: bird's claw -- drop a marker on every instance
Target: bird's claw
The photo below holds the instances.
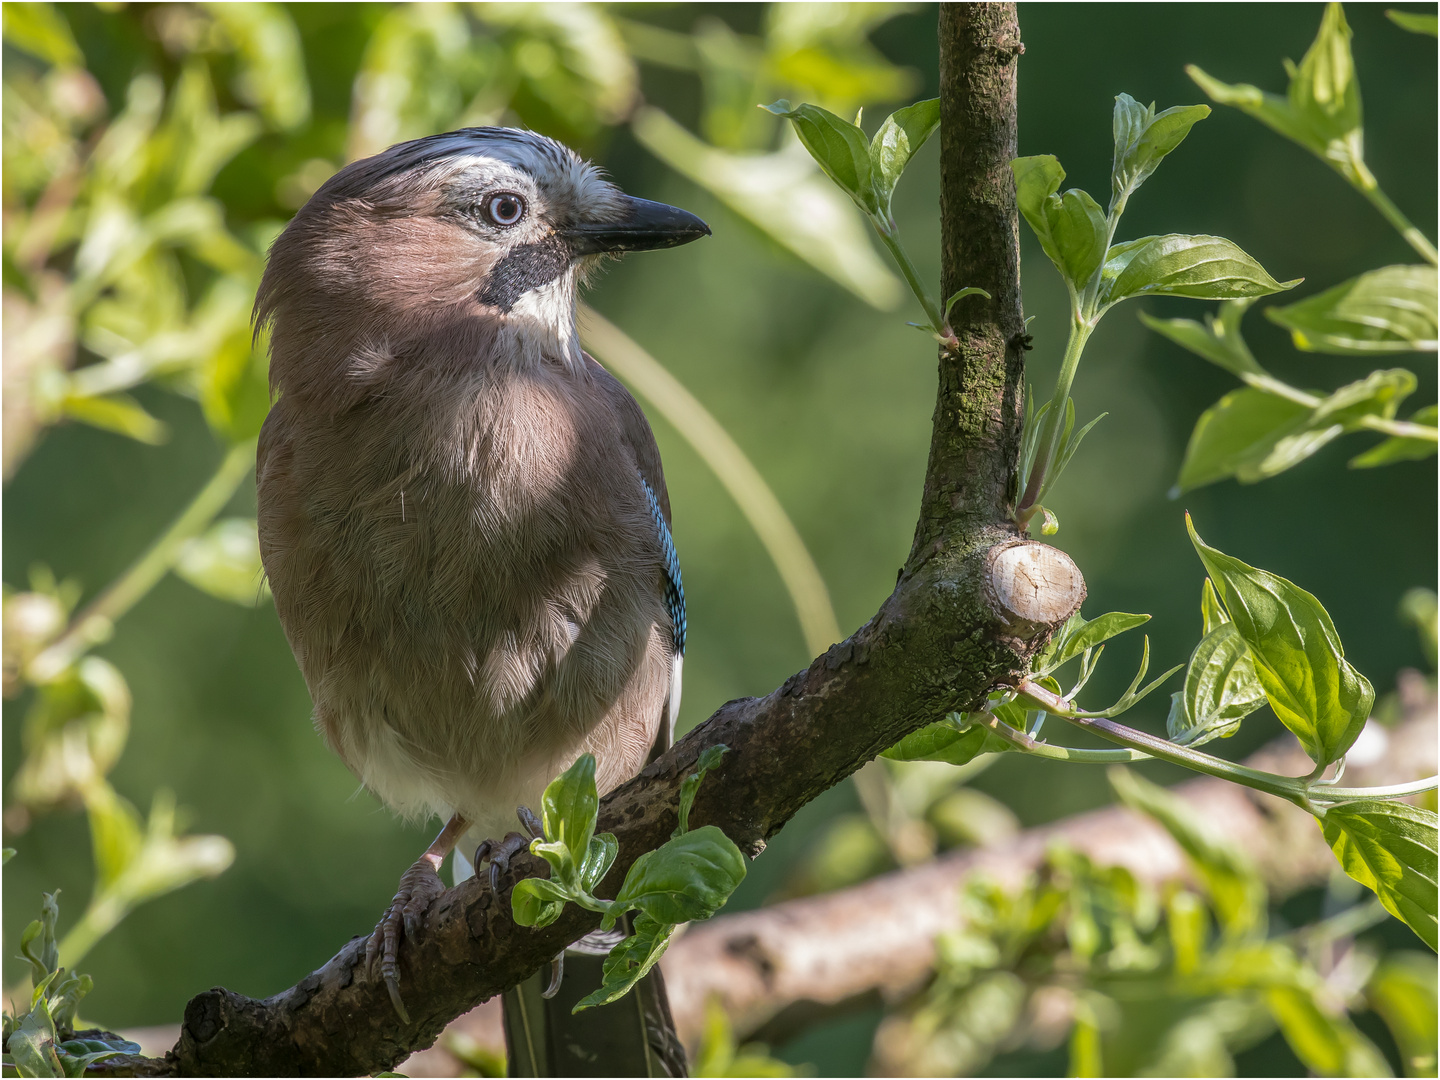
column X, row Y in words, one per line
column 500, row 852
column 418, row 887
column 557, row 975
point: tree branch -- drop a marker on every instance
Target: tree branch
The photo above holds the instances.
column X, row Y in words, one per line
column 940, row 642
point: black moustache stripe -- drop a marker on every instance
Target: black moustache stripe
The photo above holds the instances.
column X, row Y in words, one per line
column 524, row 268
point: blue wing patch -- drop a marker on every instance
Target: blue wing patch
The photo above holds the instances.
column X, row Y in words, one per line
column 674, row 588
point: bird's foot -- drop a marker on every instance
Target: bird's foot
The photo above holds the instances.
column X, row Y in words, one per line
column 418, row 887
column 500, row 852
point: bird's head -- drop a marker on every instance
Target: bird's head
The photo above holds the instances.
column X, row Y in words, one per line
column 485, row 226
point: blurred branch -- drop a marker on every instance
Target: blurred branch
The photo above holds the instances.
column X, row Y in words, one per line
column 781, row 968
column 96, row 622
column 648, row 377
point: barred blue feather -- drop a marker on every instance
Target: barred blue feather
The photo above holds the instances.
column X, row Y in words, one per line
column 674, row 588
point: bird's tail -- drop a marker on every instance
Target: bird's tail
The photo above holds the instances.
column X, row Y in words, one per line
column 634, row 1036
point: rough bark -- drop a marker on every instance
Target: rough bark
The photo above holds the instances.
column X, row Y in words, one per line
column 939, row 643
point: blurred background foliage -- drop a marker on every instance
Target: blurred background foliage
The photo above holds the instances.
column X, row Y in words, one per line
column 151, row 151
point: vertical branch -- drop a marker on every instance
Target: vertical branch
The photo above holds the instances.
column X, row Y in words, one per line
column 979, row 408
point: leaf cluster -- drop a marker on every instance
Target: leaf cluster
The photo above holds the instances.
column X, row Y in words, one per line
column 42, row 1040
column 688, row 878
column 1267, row 426
column 1173, row 981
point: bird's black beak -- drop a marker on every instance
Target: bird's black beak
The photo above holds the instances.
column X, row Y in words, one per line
column 643, row 226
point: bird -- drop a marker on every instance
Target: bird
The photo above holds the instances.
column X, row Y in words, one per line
column 463, row 517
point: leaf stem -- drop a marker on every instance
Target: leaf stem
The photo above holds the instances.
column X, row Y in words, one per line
column 1399, row 428
column 1027, row 744
column 96, row 622
column 1413, row 236
column 890, row 237
column 1080, row 331
column 1298, row 790
column 1288, row 788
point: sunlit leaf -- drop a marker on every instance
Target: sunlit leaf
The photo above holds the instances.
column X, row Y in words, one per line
column 1389, row 310
column 1413, row 21
column 1238, row 436
column 1235, row 888
column 1094, row 632
column 1221, row 689
column 1037, row 179
column 785, row 196
column 1401, row 447
column 941, row 741
column 1402, row 991
column 687, row 878
column 40, row 30
column 225, row 562
column 1143, row 138
column 1389, row 847
column 838, row 147
column 1217, row 339
column 1321, row 110
column 1202, row 267
column 568, row 810
column 1078, row 231
column 898, row 140
column 119, row 413
column 272, row 65
column 1298, row 657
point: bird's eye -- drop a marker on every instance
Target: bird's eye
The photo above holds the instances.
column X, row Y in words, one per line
column 505, row 208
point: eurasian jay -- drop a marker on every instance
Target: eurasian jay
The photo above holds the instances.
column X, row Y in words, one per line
column 463, row 517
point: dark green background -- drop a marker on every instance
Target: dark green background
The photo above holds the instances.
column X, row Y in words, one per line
column 832, row 400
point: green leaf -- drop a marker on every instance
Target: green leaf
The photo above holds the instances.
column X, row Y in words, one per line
column 32, row 1045
column 1036, row 180
column 272, row 63
column 1401, row 447
column 225, row 562
column 629, row 961
column 598, row 860
column 898, row 140
column 1250, row 435
column 1078, row 230
column 1089, row 634
column 568, row 811
column 1389, row 847
column 119, row 413
column 538, row 902
column 42, row 31
column 942, row 741
column 1389, row 310
column 687, row 878
column 1298, row 657
column 1321, row 110
column 1212, row 614
column 1312, row 1034
column 709, row 759
column 1413, row 21
column 1378, row 394
column 235, row 386
column 1218, row 340
column 1402, row 991
column 1235, row 889
column 1221, row 689
column 838, row 146
column 37, row 941
column 1201, row 267
column 1143, row 138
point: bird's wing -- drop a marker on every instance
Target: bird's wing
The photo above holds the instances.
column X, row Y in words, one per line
column 635, row 430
